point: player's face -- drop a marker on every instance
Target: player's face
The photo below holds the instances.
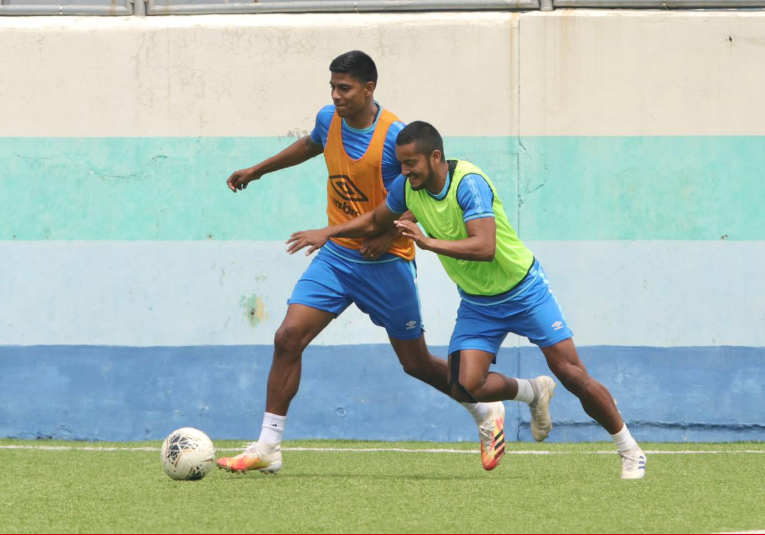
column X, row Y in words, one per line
column 415, row 166
column 348, row 94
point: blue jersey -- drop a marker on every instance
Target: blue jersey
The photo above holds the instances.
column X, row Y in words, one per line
column 356, row 141
column 473, row 195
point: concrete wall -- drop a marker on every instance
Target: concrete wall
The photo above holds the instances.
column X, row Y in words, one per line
column 138, row 294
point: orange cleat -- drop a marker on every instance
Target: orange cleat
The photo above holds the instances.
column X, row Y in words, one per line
column 265, row 458
column 492, row 435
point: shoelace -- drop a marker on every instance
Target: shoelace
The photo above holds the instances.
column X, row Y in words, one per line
column 487, row 435
column 250, row 448
column 534, row 405
column 632, row 463
column 538, row 391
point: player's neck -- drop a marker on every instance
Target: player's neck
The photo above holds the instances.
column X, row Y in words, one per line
column 440, row 172
column 364, row 118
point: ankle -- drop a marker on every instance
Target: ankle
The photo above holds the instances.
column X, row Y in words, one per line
column 624, row 441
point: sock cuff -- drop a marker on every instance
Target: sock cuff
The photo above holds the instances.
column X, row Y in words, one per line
column 621, row 434
column 274, row 421
column 624, row 440
column 272, row 429
column 526, row 391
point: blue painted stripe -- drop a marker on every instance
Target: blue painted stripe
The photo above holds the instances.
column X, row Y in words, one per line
column 360, row 392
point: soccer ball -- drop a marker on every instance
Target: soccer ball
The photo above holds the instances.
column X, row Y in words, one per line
column 187, row 454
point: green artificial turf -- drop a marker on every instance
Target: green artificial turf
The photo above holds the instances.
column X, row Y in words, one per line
column 571, row 489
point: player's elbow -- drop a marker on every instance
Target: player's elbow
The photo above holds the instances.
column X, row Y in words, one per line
column 311, row 149
column 375, row 226
column 487, row 253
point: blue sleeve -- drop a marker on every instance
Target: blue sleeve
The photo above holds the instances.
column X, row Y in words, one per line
column 396, row 200
column 475, row 197
column 321, row 128
column 391, row 168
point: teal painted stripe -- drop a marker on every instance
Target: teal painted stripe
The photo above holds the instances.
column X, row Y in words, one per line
column 571, row 188
column 643, row 188
column 170, row 188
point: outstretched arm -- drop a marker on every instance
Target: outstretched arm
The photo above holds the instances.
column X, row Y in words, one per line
column 369, row 224
column 300, row 151
column 479, row 246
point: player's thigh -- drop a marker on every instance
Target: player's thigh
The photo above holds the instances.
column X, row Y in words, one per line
column 563, row 360
column 300, row 326
column 321, row 286
column 388, row 293
column 413, row 353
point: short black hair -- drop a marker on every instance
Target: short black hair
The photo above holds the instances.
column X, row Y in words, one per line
column 356, row 64
column 425, row 137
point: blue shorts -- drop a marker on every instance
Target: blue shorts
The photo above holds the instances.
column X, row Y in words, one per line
column 531, row 311
column 386, row 291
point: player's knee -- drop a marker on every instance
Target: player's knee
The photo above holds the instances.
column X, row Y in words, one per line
column 463, row 395
column 473, row 384
column 465, row 391
column 462, row 386
column 288, row 340
column 573, row 379
column 414, row 369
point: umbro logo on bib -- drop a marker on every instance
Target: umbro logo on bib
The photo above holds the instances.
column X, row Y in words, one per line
column 346, row 189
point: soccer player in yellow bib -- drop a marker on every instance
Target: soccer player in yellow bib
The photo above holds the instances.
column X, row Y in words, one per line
column 358, row 138
column 502, row 286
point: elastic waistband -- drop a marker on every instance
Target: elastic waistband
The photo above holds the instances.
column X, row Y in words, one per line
column 512, row 293
column 353, row 255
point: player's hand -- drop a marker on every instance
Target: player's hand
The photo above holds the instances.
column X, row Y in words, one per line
column 313, row 239
column 376, row 246
column 411, row 230
column 239, row 179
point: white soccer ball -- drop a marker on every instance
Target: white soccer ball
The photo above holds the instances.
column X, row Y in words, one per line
column 187, row 454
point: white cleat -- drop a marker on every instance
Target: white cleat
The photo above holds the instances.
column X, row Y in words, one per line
column 633, row 464
column 541, row 423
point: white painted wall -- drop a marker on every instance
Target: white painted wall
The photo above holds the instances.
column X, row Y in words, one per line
column 638, row 72
column 568, row 72
column 256, row 75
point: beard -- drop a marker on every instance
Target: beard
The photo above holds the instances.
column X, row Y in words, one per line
column 427, row 180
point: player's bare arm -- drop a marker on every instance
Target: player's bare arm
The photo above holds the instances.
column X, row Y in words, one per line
column 300, row 151
column 369, row 224
column 479, row 246
column 376, row 246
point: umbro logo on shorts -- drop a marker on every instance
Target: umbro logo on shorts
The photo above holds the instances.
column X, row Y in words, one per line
column 557, row 325
column 411, row 324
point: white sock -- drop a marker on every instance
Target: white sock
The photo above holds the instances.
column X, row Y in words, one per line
column 624, row 441
column 479, row 411
column 273, row 427
column 525, row 391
